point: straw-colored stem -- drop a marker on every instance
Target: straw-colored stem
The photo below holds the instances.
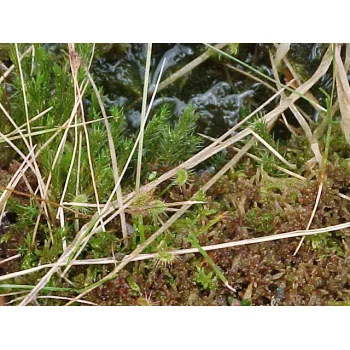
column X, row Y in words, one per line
column 143, row 116
column 24, row 96
column 189, row 67
column 113, row 157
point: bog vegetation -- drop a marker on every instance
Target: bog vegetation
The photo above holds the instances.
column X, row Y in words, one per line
column 99, row 207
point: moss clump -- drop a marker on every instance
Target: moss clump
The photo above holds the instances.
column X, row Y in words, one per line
column 317, row 275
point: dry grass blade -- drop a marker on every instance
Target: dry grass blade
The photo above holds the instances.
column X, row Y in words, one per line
column 40, row 199
column 13, row 182
column 302, row 122
column 302, row 89
column 34, row 167
column 252, row 156
column 24, row 96
column 25, row 272
column 189, row 67
column 251, row 76
column 45, row 131
column 113, row 157
column 305, row 126
column 41, row 183
column 136, row 143
column 347, row 58
column 298, row 82
column 139, row 257
column 317, row 201
column 143, row 116
column 13, row 293
column 271, row 238
column 281, row 52
column 55, row 297
column 77, row 184
column 272, row 150
column 66, row 298
column 30, row 122
column 30, row 165
column 344, row 196
column 75, row 62
column 60, row 212
column 343, row 91
column 10, row 258
column 66, row 126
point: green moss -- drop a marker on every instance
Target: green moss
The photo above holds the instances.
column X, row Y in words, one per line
column 206, row 280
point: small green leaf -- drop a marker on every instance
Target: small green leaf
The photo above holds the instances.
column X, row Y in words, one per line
column 152, row 176
column 133, row 285
column 5, row 237
column 206, row 280
column 233, row 48
column 245, row 302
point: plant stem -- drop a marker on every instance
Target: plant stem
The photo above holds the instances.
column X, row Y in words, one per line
column 143, row 116
column 194, row 241
column 45, row 289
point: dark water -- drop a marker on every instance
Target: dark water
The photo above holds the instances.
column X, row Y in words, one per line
column 220, row 95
